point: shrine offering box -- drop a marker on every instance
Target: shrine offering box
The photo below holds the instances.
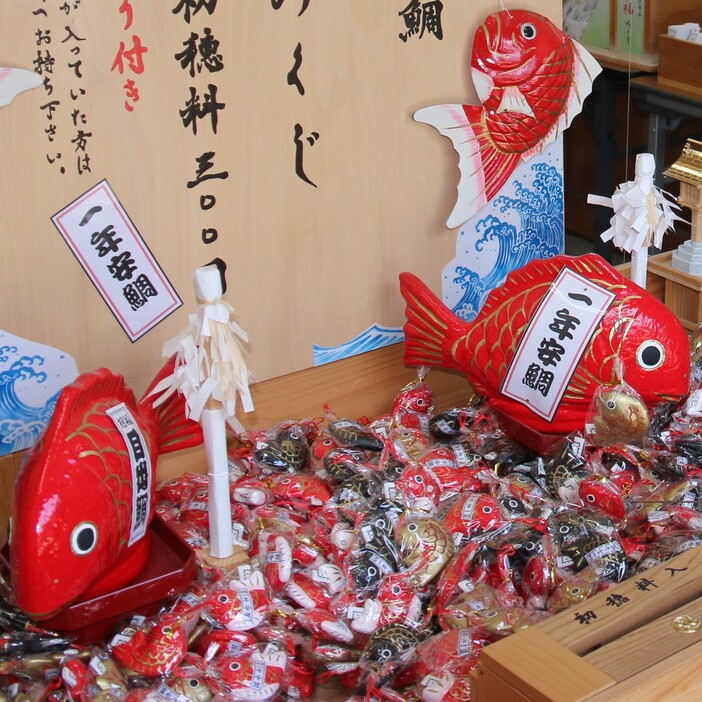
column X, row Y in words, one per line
column 640, row 641
column 680, row 63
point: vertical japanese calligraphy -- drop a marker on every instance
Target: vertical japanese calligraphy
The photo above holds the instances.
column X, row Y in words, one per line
column 200, row 55
column 555, row 339
column 293, row 79
column 113, row 254
column 129, row 57
column 56, row 55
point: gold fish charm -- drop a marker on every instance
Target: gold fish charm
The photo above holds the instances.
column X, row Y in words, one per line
column 619, row 417
column 426, row 546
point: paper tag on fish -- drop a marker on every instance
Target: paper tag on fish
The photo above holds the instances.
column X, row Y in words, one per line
column 693, row 406
column 247, row 605
column 293, row 692
column 163, row 693
column 353, row 612
column 382, row 564
column 469, row 508
column 658, row 515
column 97, row 665
column 564, row 561
column 558, row 333
column 389, row 490
column 367, row 533
column 238, row 534
column 233, row 648
column 460, row 454
column 465, row 642
column 274, row 557
column 258, row 677
column 141, row 469
column 123, row 637
column 602, row 551
column 244, row 571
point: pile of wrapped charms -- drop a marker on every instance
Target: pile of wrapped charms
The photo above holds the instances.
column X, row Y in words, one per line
column 385, row 554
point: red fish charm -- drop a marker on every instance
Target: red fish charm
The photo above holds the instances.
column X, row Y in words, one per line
column 548, row 337
column 531, row 79
column 85, row 495
column 157, row 651
column 240, row 605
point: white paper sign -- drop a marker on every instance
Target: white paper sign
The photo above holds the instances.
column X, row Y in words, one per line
column 554, row 341
column 117, row 260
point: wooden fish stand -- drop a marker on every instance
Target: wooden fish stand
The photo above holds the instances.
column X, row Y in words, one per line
column 640, row 641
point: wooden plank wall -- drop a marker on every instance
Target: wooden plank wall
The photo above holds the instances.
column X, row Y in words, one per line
column 307, row 263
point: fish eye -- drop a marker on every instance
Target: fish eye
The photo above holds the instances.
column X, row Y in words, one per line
column 194, row 683
column 487, row 509
column 418, row 479
column 223, row 598
column 650, row 355
column 611, row 404
column 411, row 527
column 234, row 666
column 590, row 497
column 396, row 589
column 528, row 31
column 385, row 653
column 84, row 538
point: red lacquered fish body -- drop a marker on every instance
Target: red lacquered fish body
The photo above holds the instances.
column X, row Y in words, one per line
column 85, row 494
column 533, row 319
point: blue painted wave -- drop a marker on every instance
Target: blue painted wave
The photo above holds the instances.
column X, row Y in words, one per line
column 538, row 234
column 375, row 337
column 20, row 424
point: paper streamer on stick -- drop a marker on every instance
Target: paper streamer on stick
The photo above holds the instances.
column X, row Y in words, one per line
column 210, row 372
column 642, row 215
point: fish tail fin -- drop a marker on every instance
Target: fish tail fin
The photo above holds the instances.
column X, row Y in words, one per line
column 484, row 168
column 176, row 431
column 431, row 329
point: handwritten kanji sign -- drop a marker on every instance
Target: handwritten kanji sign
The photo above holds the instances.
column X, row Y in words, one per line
column 113, row 254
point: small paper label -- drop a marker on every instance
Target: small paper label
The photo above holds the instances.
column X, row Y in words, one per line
column 141, row 469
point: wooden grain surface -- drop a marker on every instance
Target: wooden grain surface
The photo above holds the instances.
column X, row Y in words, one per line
column 307, row 264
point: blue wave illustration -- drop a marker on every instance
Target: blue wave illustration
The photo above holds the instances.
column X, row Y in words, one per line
column 539, row 234
column 375, row 337
column 20, row 424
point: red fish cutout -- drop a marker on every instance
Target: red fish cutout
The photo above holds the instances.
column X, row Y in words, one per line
column 86, row 491
column 549, row 302
column 531, row 79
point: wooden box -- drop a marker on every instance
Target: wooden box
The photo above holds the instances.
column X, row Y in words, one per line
column 680, row 64
column 640, row 641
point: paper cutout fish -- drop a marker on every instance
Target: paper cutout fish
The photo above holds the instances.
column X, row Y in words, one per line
column 86, row 491
column 531, row 79
column 636, row 328
column 14, row 81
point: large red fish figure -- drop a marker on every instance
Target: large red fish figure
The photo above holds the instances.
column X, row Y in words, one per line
column 548, row 337
column 531, row 79
column 85, row 494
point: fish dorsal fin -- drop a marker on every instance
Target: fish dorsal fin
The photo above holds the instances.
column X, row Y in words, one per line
column 80, row 397
column 176, row 431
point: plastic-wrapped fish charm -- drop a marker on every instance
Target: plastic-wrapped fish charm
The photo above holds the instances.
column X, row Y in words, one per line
column 300, row 491
column 240, row 605
column 426, row 546
column 397, row 600
column 289, row 449
column 351, row 434
column 390, row 641
column 470, row 514
column 254, row 677
column 157, row 651
column 619, row 416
